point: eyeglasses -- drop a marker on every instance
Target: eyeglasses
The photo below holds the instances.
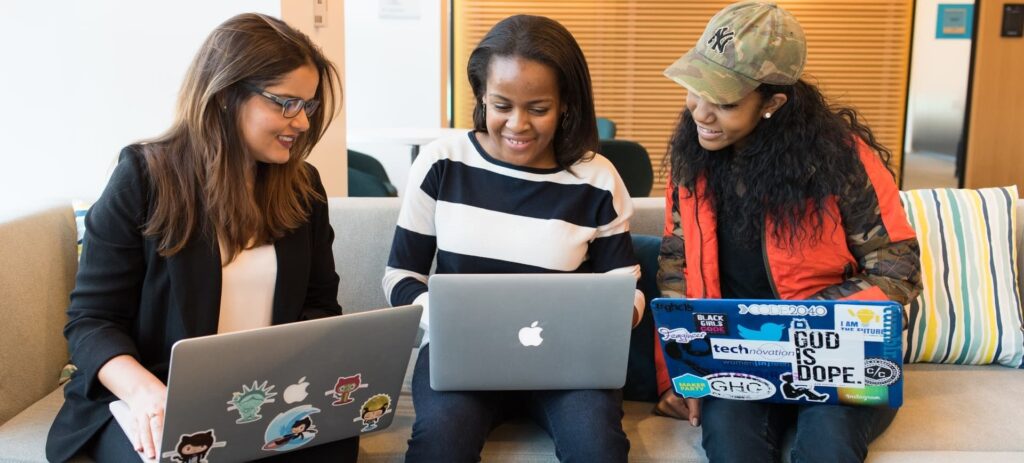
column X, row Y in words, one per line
column 290, row 107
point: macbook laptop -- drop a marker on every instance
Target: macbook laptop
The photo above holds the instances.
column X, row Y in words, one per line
column 835, row 352
column 529, row 331
column 254, row 394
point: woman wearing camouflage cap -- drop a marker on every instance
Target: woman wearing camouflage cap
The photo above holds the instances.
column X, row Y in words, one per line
column 775, row 195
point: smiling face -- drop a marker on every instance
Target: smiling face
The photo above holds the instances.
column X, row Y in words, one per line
column 267, row 134
column 523, row 110
column 722, row 125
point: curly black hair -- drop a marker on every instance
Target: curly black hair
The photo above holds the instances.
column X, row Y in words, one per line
column 789, row 167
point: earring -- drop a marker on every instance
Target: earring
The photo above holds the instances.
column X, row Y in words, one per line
column 767, row 115
column 565, row 120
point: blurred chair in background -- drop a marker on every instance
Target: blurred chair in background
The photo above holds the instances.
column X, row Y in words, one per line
column 605, row 128
column 367, row 177
column 633, row 163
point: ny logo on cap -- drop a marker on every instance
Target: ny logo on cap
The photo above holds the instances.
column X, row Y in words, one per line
column 721, row 38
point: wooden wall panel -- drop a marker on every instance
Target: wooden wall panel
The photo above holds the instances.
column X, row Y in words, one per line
column 858, row 52
column 995, row 136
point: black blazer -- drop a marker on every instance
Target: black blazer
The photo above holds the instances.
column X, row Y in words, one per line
column 130, row 300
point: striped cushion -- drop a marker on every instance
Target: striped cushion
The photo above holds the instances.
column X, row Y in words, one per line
column 970, row 309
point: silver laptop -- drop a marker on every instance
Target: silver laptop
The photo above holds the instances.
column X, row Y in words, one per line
column 255, row 394
column 529, row 331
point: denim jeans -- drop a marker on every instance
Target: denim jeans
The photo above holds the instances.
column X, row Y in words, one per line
column 586, row 425
column 738, row 431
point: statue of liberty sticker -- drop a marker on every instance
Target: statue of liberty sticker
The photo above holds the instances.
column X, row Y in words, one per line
column 250, row 400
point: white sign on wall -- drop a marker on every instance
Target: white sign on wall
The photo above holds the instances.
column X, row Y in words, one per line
column 399, row 9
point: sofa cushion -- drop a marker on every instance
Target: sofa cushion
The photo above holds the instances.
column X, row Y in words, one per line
column 39, row 264
column 23, row 438
column 958, row 407
column 969, row 311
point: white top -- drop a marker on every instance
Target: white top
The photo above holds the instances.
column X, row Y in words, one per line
column 477, row 214
column 247, row 289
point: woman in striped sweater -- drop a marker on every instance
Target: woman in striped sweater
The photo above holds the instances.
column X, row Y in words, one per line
column 523, row 192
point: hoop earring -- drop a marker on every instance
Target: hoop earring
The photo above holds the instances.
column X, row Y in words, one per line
column 565, row 120
column 768, row 115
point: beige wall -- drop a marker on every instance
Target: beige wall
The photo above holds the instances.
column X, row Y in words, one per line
column 995, row 138
column 329, row 156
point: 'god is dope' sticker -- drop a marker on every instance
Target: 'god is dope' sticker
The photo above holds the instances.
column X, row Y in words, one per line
column 826, row 357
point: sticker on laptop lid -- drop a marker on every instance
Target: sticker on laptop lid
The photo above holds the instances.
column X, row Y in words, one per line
column 792, row 391
column 711, row 323
column 866, row 320
column 679, row 335
column 880, row 372
column 691, row 386
column 291, row 429
column 767, row 332
column 195, row 447
column 344, row 388
column 739, row 386
column 788, row 310
column 373, row 410
column 867, row 395
column 249, row 401
column 826, row 357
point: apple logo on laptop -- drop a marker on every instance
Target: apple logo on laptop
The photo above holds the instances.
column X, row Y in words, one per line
column 530, row 335
column 296, row 392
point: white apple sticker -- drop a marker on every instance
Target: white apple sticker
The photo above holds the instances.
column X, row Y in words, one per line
column 530, row 335
column 296, row 392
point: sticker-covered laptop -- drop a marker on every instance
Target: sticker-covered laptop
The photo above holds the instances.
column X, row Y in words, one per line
column 255, row 394
column 832, row 352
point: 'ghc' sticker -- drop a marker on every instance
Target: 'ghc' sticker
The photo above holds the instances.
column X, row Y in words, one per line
column 680, row 335
column 740, row 386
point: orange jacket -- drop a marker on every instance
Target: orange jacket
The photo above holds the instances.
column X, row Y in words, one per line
column 875, row 260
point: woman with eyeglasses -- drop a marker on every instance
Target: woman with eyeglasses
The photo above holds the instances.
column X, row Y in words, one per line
column 217, row 225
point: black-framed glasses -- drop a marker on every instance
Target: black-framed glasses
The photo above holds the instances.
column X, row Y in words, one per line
column 290, row 107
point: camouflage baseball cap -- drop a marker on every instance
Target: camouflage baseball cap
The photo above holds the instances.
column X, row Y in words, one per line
column 744, row 45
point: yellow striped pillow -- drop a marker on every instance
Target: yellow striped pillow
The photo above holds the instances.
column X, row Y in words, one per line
column 970, row 309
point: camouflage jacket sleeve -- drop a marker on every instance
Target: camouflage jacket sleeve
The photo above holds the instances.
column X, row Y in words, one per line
column 671, row 255
column 890, row 264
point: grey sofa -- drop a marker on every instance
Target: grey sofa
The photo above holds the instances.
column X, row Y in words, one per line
column 951, row 413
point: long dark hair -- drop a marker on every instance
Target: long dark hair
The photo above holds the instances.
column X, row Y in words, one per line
column 789, row 167
column 200, row 168
column 545, row 41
